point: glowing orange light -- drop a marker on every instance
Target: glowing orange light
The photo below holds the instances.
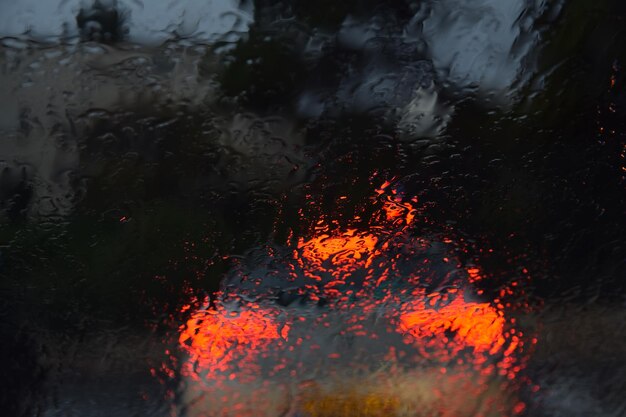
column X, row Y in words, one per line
column 440, row 325
column 396, row 209
column 338, row 255
column 216, row 338
column 476, row 325
column 343, row 249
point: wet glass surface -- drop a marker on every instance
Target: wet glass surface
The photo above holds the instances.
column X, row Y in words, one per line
column 312, row 209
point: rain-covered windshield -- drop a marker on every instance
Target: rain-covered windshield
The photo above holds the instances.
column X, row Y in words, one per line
column 253, row 208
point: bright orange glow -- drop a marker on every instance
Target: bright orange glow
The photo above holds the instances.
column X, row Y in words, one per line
column 337, row 255
column 476, row 325
column 474, row 274
column 379, row 273
column 347, row 248
column 396, row 209
column 215, row 338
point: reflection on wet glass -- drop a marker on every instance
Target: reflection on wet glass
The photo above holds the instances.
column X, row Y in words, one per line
column 292, row 208
column 357, row 307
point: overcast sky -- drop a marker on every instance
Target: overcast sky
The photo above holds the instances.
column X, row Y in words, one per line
column 148, row 21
